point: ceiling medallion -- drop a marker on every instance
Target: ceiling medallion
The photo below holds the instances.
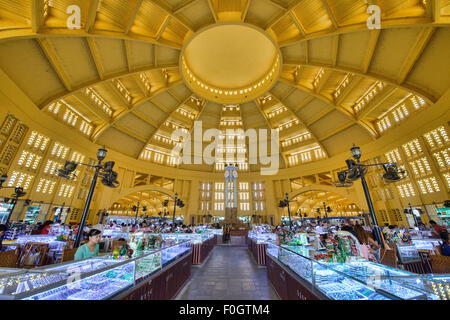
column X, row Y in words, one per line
column 230, row 62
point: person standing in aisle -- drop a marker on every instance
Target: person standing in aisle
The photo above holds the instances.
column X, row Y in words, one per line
column 91, row 248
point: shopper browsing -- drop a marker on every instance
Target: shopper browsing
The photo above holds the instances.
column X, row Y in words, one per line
column 91, row 248
column 437, row 229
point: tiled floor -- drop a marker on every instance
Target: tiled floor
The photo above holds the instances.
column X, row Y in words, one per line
column 228, row 274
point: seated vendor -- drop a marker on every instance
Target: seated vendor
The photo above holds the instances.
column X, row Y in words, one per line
column 89, row 249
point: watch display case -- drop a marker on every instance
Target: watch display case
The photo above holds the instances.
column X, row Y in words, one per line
column 359, row 280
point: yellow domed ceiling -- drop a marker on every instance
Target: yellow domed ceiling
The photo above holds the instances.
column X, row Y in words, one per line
column 230, row 63
column 123, row 79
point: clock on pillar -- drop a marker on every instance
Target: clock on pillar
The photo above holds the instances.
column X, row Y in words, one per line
column 231, row 175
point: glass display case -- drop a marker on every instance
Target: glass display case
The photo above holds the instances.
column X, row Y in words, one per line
column 18, row 285
column 217, row 232
column 171, row 253
column 440, row 285
column 359, row 280
column 148, row 264
column 260, row 238
column 194, row 238
column 82, row 266
column 4, row 271
column 90, row 279
column 426, row 244
column 98, row 286
column 55, row 247
column 115, row 234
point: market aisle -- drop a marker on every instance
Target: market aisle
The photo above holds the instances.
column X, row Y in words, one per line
column 228, row 274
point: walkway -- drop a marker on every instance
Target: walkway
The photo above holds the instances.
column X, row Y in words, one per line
column 228, row 274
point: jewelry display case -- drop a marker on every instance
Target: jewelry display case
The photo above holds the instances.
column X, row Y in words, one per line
column 98, row 286
column 353, row 280
column 260, row 238
column 4, row 271
column 426, row 244
column 55, row 246
column 90, row 279
column 257, row 244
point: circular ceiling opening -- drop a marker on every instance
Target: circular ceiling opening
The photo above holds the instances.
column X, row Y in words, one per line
column 230, row 63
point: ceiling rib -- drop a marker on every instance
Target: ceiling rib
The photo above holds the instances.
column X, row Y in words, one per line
column 106, row 78
column 245, row 10
column 330, row 14
column 27, row 33
column 129, row 132
column 338, row 108
column 92, row 14
column 429, row 97
column 303, row 124
column 213, row 12
column 376, row 102
column 259, row 107
column 297, row 22
column 163, row 27
column 370, row 51
column 414, row 54
column 127, row 47
column 419, row 22
column 435, row 8
column 53, row 59
column 183, row 6
column 132, row 108
column 336, row 131
column 133, row 16
column 292, row 6
column 96, row 57
column 168, row 11
column 165, row 119
column 93, row 109
column 37, row 15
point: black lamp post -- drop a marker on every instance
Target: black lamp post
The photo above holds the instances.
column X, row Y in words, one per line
column 15, row 198
column 136, row 209
column 177, row 203
column 174, row 208
column 357, row 170
column 109, row 179
column 285, row 203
